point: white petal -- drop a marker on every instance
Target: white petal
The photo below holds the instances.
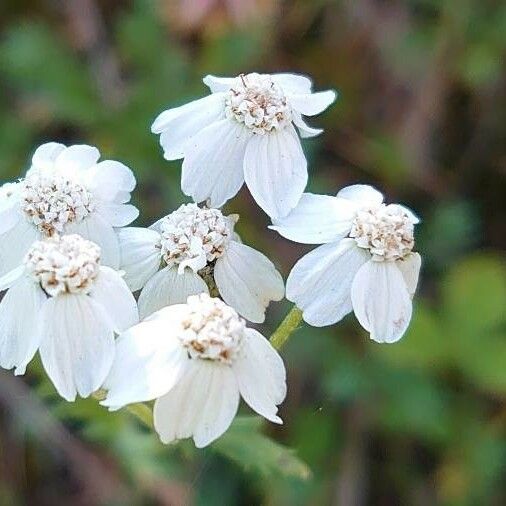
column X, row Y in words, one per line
column 96, row 229
column 182, row 123
column 381, row 301
column 362, row 194
column 275, row 170
column 293, row 83
column 14, row 245
column 140, row 256
column 11, row 277
column 149, row 360
column 19, row 317
column 410, row 269
column 185, row 111
column 77, row 344
column 320, row 282
column 10, row 214
column 76, row 158
column 304, row 129
column 412, row 216
column 118, row 215
column 314, row 103
column 261, row 375
column 167, row 287
column 203, row 405
column 247, row 281
column 112, row 293
column 219, row 84
column 317, row 219
column 110, row 181
column 46, row 154
column 213, row 165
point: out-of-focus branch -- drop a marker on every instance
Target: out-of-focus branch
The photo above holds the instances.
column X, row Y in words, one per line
column 27, row 414
column 351, row 481
column 90, row 35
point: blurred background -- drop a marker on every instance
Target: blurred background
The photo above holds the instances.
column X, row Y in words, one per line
column 421, row 114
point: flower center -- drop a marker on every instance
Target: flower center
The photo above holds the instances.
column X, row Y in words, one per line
column 258, row 103
column 212, row 330
column 50, row 201
column 386, row 231
column 193, row 237
column 66, row 264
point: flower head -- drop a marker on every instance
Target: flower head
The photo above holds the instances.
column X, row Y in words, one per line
column 66, row 191
column 196, row 360
column 259, row 103
column 244, row 131
column 187, row 250
column 194, row 236
column 387, row 232
column 366, row 263
column 52, row 201
column 212, row 330
column 64, row 303
column 69, row 264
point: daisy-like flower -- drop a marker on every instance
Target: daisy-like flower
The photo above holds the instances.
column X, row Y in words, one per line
column 62, row 302
column 196, row 360
column 366, row 263
column 191, row 246
column 66, row 192
column 244, row 131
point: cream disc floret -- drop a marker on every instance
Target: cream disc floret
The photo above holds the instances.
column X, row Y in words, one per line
column 212, row 330
column 67, row 264
column 259, row 103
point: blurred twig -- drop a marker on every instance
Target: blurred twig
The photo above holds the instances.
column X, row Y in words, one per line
column 27, row 414
column 351, row 482
column 88, row 28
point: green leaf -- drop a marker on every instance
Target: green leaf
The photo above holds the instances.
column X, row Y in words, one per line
column 249, row 448
column 425, row 344
column 474, row 295
column 36, row 62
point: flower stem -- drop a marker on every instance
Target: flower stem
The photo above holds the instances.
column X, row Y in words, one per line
column 142, row 412
column 287, row 327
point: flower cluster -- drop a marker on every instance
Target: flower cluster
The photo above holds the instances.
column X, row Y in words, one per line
column 70, row 264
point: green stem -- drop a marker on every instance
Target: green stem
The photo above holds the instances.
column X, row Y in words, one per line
column 142, row 412
column 287, row 327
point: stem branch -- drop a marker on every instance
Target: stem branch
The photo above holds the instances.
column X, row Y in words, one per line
column 287, row 327
column 142, row 412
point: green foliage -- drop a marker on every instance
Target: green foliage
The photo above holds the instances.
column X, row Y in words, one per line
column 467, row 331
column 420, row 115
column 245, row 444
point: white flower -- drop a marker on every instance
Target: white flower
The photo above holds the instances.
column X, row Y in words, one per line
column 66, row 191
column 244, row 131
column 366, row 263
column 172, row 259
column 196, row 360
column 62, row 302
